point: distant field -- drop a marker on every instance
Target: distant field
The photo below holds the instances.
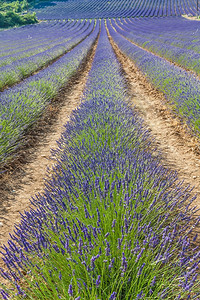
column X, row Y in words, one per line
column 113, row 9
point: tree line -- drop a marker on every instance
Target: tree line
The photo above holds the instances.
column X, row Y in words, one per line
column 15, row 13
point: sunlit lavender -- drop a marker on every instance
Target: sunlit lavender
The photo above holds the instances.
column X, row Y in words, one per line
column 113, row 223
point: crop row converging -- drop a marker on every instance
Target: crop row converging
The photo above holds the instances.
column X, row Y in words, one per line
column 114, row 8
column 113, row 223
column 22, row 105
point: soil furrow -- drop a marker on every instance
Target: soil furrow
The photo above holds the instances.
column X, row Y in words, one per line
column 178, row 146
column 26, row 179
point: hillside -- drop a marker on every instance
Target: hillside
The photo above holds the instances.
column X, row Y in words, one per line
column 14, row 13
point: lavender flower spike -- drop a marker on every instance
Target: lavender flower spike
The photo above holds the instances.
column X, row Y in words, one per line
column 70, row 290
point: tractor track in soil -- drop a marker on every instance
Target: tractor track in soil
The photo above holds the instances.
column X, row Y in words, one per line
column 26, row 176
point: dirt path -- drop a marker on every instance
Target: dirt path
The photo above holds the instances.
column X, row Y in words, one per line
column 180, row 150
column 30, row 179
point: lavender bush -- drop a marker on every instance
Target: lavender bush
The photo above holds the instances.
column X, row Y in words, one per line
column 112, row 223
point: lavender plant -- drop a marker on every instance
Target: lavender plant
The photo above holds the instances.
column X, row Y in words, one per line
column 112, row 223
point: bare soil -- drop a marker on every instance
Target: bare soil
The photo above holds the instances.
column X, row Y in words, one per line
column 180, row 149
column 26, row 176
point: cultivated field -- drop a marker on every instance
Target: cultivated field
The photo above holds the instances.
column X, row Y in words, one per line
column 100, row 152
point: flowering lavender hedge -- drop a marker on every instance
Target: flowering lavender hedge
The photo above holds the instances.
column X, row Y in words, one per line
column 36, row 40
column 21, row 105
column 181, row 88
column 169, row 49
column 176, row 31
column 112, row 9
column 16, row 71
column 26, row 38
column 112, row 223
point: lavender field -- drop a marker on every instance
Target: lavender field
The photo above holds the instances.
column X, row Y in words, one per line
column 113, row 9
column 113, row 220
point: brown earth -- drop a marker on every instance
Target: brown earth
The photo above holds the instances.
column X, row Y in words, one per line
column 27, row 175
column 180, row 149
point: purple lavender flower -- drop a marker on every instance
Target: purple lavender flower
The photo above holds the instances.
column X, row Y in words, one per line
column 67, row 247
column 140, row 254
column 60, row 275
column 80, row 244
column 98, row 281
column 113, row 223
column 140, row 295
column 124, row 263
column 111, row 263
column 4, row 295
column 153, row 281
column 140, row 270
column 70, row 291
column 113, row 296
column 92, row 262
column 107, row 248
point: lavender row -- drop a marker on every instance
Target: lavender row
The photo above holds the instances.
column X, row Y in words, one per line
column 113, row 9
column 184, row 57
column 21, row 105
column 37, row 41
column 24, row 38
column 179, row 86
column 24, row 67
column 171, row 31
column 112, row 222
